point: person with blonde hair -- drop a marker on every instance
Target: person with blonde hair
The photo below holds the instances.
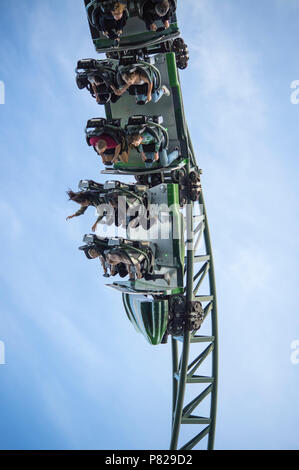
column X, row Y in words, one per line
column 112, row 23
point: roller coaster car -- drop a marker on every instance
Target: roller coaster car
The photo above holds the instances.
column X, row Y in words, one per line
column 138, row 37
column 125, row 205
column 147, row 297
column 115, row 253
column 110, row 72
column 137, row 124
column 170, row 107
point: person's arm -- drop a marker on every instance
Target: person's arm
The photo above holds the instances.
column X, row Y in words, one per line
column 166, row 18
column 116, row 153
column 139, row 148
column 157, row 148
column 94, row 88
column 119, row 91
column 122, row 22
column 124, row 157
column 149, row 87
column 94, row 227
column 98, row 150
column 78, row 213
column 143, row 156
column 149, row 90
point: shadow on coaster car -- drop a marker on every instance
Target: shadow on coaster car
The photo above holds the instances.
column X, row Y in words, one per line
column 123, row 257
column 135, row 35
column 99, row 77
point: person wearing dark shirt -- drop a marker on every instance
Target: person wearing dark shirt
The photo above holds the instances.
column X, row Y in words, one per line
column 154, row 10
column 112, row 24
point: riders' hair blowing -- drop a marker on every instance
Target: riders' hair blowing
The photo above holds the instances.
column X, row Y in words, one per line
column 81, row 196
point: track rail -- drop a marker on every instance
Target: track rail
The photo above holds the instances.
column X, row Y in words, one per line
column 199, row 268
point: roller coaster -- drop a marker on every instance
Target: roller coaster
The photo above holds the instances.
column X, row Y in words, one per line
column 164, row 249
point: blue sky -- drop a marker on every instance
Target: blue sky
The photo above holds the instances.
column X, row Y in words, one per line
column 77, row 375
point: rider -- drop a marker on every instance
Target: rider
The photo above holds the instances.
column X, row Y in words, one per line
column 137, row 77
column 112, row 23
column 86, row 199
column 155, row 10
column 151, row 149
column 100, row 90
column 106, row 142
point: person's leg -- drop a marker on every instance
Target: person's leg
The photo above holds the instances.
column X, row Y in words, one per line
column 172, row 156
column 149, row 156
column 163, row 90
column 148, row 19
column 157, row 95
column 109, row 26
column 141, row 98
column 124, row 157
column 163, row 158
